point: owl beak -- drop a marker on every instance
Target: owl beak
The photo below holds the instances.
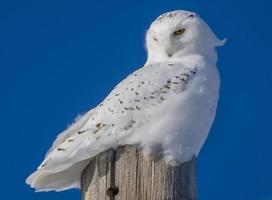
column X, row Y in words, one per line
column 169, row 53
column 169, row 50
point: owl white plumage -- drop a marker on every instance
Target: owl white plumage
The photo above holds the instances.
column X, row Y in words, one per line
column 169, row 103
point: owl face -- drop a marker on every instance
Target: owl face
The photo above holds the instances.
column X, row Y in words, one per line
column 176, row 33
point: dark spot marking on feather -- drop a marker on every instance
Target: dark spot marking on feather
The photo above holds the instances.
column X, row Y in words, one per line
column 162, row 98
column 43, row 165
column 171, row 64
column 79, row 132
column 155, row 39
column 183, row 74
column 152, row 97
column 121, row 102
column 193, row 72
column 143, row 82
column 175, row 82
column 71, row 140
column 137, row 93
column 100, row 125
column 138, row 108
column 60, row 149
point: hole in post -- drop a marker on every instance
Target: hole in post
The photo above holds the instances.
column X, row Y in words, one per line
column 112, row 191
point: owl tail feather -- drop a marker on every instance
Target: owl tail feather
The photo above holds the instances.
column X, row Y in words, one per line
column 44, row 180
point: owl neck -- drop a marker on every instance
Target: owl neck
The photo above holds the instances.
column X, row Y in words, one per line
column 157, row 55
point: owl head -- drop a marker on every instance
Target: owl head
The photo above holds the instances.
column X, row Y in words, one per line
column 179, row 33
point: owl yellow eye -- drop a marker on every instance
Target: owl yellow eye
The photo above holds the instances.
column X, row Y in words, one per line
column 179, row 31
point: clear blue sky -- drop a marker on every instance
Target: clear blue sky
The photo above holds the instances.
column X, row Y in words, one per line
column 60, row 58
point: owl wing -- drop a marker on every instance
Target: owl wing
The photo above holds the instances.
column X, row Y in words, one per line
column 110, row 123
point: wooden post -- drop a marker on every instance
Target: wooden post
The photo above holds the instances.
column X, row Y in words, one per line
column 124, row 174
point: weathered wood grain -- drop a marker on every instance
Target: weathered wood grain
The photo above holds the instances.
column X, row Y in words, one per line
column 124, row 174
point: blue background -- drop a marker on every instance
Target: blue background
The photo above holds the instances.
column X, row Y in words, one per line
column 60, row 58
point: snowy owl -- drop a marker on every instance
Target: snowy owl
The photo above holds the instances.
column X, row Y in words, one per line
column 170, row 102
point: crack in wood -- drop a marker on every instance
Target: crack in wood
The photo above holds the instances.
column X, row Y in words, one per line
column 112, row 191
